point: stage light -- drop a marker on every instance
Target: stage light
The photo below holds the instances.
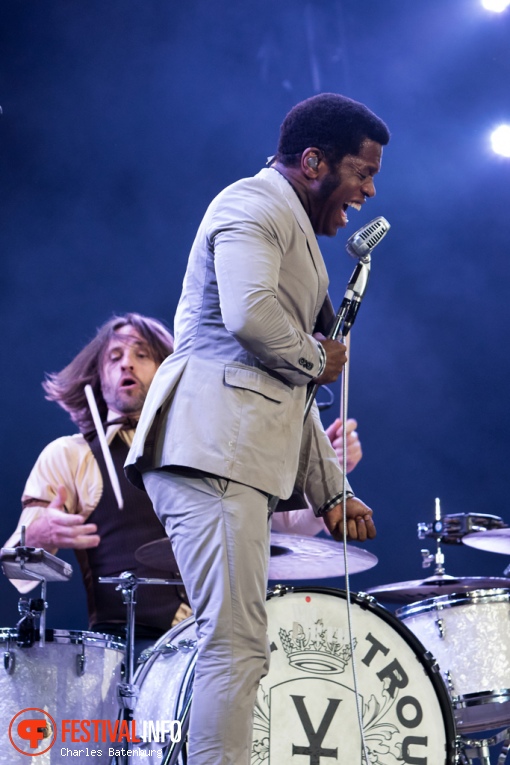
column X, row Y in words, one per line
column 498, row 6
column 500, row 140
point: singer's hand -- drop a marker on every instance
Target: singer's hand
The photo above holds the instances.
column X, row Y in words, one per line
column 336, row 357
column 360, row 525
column 335, row 435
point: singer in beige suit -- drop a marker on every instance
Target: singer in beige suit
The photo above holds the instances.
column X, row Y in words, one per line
column 221, row 431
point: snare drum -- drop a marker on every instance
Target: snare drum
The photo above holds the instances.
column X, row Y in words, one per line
column 469, row 636
column 307, row 705
column 73, row 676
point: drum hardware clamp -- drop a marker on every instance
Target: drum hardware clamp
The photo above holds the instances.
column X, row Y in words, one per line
column 479, row 748
column 427, row 557
column 453, row 527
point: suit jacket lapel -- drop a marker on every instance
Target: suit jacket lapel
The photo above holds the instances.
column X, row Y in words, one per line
column 278, row 181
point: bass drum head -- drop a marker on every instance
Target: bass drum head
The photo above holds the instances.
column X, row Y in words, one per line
column 306, row 705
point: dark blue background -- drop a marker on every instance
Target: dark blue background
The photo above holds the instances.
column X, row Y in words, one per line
column 123, row 118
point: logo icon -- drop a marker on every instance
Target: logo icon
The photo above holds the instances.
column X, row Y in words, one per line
column 32, row 731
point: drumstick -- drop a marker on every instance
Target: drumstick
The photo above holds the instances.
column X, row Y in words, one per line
column 104, row 445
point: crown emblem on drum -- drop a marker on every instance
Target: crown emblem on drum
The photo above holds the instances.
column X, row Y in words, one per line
column 317, row 649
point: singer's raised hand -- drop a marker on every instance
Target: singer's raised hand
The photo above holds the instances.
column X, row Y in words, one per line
column 336, row 357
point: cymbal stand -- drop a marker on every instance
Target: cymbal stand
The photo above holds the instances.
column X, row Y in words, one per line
column 127, row 692
column 479, row 748
column 429, row 558
column 31, row 609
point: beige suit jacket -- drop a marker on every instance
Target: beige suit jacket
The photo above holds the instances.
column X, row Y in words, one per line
column 230, row 399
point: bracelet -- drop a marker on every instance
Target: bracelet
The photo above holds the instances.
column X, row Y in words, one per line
column 327, row 506
column 322, row 360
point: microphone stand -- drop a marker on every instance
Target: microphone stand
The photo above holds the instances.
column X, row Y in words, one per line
column 346, row 314
column 342, row 323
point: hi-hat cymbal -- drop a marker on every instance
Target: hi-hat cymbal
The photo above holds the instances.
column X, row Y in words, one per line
column 34, row 563
column 295, row 557
column 492, row 540
column 292, row 557
column 434, row 586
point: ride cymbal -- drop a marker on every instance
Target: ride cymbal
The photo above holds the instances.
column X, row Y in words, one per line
column 292, row 557
column 492, row 540
column 434, row 586
column 296, row 557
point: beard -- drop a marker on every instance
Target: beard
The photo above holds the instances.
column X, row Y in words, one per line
column 329, row 184
column 125, row 400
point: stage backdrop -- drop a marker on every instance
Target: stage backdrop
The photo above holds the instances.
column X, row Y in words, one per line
column 121, row 120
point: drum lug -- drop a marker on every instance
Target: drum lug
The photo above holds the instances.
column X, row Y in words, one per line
column 167, row 648
column 431, row 661
column 81, row 662
column 9, row 661
column 279, row 590
column 186, row 645
column 440, row 628
column 365, row 600
column 145, row 655
column 449, row 683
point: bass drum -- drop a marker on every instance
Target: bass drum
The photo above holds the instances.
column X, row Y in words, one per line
column 306, row 707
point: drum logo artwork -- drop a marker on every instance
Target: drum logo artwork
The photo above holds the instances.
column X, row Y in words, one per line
column 306, row 710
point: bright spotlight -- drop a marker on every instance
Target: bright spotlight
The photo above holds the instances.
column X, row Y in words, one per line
column 500, row 140
column 498, row 6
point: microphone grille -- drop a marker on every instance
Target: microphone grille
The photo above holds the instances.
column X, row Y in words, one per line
column 364, row 240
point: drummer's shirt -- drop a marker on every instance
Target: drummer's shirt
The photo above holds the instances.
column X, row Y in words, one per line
column 68, row 461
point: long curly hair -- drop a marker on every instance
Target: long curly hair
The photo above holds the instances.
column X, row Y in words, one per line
column 67, row 387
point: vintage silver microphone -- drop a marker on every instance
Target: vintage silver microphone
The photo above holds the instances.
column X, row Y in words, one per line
column 361, row 243
column 359, row 246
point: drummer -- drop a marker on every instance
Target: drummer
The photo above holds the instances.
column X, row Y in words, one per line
column 68, row 500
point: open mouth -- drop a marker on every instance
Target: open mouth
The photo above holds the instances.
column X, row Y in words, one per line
column 128, row 382
column 354, row 205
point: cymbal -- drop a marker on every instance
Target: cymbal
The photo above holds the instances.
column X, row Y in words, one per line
column 34, row 563
column 295, row 557
column 492, row 540
column 158, row 555
column 434, row 586
column 292, row 557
